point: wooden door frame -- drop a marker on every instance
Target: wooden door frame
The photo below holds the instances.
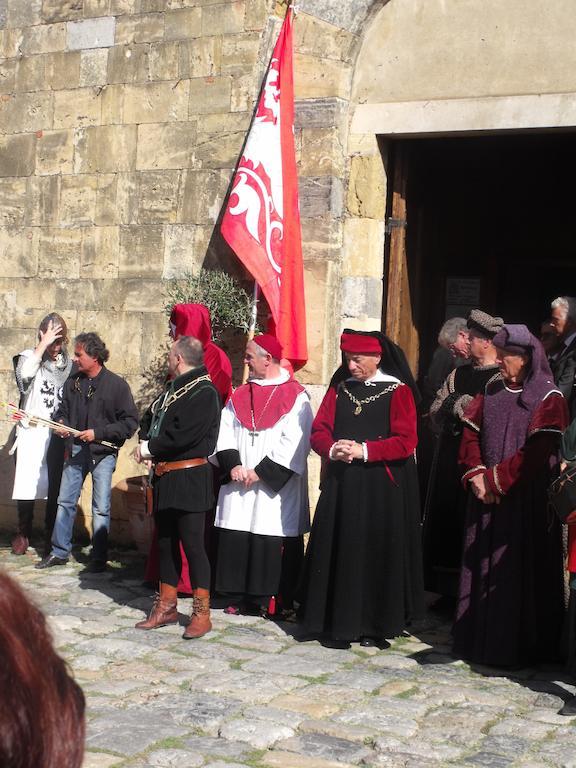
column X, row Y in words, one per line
column 399, row 301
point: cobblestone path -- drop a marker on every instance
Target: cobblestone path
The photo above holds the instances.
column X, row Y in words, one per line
column 250, row 694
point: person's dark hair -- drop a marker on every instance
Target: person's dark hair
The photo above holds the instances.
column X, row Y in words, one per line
column 55, row 319
column 191, row 351
column 41, row 707
column 93, row 346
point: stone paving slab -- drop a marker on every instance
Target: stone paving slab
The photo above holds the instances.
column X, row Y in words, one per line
column 252, row 695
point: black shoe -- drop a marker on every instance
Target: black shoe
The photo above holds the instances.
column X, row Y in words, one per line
column 50, row 562
column 335, row 643
column 96, row 566
column 367, row 642
column 569, row 709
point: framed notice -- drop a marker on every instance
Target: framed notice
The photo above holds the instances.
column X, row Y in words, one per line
column 463, row 291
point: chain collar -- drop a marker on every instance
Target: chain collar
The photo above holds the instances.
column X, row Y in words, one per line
column 371, row 399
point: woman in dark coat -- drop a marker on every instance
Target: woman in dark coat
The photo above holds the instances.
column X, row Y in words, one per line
column 363, row 569
column 510, row 603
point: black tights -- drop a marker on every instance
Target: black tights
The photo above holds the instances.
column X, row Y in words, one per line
column 175, row 526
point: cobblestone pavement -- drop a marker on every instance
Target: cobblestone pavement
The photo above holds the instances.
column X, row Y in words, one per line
column 250, row 694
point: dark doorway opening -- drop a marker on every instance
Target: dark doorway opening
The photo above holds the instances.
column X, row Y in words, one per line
column 490, row 218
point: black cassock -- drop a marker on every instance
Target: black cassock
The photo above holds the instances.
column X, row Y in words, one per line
column 363, row 566
column 446, row 499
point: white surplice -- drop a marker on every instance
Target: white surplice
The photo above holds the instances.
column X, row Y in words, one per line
column 258, row 509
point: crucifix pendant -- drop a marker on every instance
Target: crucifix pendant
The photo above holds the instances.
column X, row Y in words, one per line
column 253, row 434
column 358, row 410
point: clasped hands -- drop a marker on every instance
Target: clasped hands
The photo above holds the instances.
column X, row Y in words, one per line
column 346, row 450
column 240, row 474
column 482, row 491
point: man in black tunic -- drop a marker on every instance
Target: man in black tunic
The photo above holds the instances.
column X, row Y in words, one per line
column 563, row 320
column 446, row 499
column 178, row 433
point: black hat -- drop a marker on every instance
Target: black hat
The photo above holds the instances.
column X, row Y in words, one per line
column 484, row 323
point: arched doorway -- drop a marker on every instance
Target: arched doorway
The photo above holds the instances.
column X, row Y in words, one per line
column 476, row 119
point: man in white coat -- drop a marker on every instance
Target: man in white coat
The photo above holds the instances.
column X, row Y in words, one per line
column 262, row 509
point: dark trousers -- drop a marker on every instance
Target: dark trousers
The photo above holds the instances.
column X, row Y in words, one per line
column 25, row 507
column 175, row 526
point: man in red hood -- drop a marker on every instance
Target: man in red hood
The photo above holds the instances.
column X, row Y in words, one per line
column 194, row 320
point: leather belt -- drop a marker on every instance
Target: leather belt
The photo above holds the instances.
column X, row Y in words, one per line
column 162, row 467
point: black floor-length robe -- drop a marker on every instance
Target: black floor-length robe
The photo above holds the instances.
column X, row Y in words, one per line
column 363, row 570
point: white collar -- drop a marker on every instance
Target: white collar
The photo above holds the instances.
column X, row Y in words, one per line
column 378, row 377
column 284, row 376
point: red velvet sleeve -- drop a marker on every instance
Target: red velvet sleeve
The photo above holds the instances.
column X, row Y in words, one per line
column 525, row 463
column 550, row 416
column 572, row 548
column 470, row 454
column 322, row 436
column 403, row 437
column 543, row 440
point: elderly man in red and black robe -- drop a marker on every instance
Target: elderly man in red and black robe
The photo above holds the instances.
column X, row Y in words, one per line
column 363, row 568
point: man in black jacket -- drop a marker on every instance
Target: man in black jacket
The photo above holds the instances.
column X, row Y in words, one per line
column 178, row 433
column 99, row 404
column 563, row 320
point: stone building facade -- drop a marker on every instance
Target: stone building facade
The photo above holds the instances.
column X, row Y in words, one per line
column 121, row 122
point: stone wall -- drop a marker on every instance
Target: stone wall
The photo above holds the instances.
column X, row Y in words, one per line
column 121, row 122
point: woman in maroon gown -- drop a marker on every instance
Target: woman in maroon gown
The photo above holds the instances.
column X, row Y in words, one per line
column 510, row 604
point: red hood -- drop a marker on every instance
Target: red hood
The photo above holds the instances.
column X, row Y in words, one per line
column 192, row 320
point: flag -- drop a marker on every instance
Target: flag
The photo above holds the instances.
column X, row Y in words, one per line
column 261, row 222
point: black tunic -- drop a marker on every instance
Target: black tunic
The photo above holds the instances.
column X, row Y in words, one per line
column 445, row 508
column 363, row 571
column 189, row 430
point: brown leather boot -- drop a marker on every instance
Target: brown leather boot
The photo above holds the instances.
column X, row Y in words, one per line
column 163, row 611
column 200, row 622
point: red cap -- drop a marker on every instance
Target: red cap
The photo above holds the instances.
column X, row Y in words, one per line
column 358, row 344
column 270, row 344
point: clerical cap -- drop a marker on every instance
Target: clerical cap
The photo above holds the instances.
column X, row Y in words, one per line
column 356, row 344
column 484, row 323
column 514, row 339
column 270, row 344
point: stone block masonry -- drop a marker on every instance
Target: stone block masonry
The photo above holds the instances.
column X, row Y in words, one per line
column 121, row 122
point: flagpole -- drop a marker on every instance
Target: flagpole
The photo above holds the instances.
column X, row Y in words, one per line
column 252, row 327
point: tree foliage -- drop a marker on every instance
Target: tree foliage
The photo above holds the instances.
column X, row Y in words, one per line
column 229, row 304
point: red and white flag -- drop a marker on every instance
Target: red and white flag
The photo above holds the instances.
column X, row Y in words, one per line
column 262, row 219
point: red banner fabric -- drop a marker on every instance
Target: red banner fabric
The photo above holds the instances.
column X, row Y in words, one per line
column 262, row 219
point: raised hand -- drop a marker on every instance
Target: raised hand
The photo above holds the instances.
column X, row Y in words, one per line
column 52, row 333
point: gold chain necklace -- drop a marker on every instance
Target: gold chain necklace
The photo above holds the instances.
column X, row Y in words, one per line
column 371, row 399
column 169, row 399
